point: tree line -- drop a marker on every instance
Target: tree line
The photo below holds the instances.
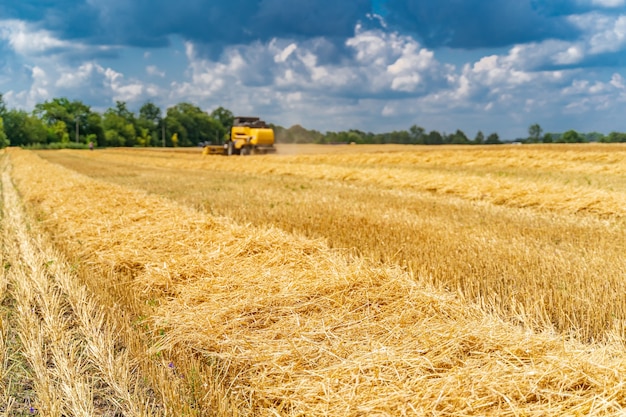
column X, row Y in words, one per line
column 415, row 135
column 63, row 123
column 536, row 135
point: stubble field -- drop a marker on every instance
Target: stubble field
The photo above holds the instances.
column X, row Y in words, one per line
column 338, row 280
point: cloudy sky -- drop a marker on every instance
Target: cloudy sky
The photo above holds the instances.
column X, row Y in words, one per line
column 374, row 65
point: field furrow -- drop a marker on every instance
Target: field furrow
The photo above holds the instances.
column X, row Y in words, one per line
column 294, row 327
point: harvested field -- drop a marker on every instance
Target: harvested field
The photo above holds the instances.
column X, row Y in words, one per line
column 352, row 284
column 554, row 235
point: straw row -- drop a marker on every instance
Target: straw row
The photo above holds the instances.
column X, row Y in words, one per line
column 562, row 269
column 69, row 345
column 306, row 330
column 9, row 374
column 511, row 190
column 587, row 159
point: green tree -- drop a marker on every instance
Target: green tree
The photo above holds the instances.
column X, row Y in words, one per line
column 150, row 120
column 130, row 129
column 571, row 136
column 4, row 142
column 355, row 136
column 493, row 139
column 614, row 137
column 594, row 137
column 150, row 111
column 93, row 129
column 225, row 117
column 459, row 138
column 434, row 138
column 548, row 138
column 122, row 111
column 144, row 138
column 192, row 125
column 73, row 113
column 118, row 130
column 534, row 133
column 417, row 135
column 58, row 132
column 24, row 129
column 3, row 106
column 479, row 139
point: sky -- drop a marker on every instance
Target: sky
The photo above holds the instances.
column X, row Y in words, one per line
column 330, row 65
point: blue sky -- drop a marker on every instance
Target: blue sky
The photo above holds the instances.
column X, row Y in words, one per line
column 374, row 65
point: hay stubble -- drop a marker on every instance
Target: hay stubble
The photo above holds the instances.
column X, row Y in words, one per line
column 305, row 329
column 552, row 262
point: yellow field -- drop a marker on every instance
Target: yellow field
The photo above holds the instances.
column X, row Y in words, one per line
column 343, row 280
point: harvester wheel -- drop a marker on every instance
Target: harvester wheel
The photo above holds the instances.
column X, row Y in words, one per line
column 230, row 149
column 244, row 151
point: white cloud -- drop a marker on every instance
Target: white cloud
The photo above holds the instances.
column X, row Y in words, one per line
column 26, row 40
column 81, row 76
column 609, row 3
column 600, row 34
column 388, row 81
column 611, row 39
column 390, row 61
column 284, row 76
column 572, row 55
column 154, row 71
column 391, row 77
column 37, row 92
column 39, row 88
column 617, row 81
column 407, row 69
column 89, row 82
column 122, row 90
column 285, row 53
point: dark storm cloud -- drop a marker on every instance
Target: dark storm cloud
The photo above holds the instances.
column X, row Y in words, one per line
column 479, row 23
column 150, row 22
column 570, row 7
column 311, row 18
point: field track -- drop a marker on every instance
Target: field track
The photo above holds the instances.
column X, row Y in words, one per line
column 256, row 320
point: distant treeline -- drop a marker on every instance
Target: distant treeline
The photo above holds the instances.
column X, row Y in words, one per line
column 417, row 135
column 63, row 123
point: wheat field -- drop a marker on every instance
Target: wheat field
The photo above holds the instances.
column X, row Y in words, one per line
column 356, row 281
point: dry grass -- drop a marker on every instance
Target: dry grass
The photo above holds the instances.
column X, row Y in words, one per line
column 301, row 329
column 544, row 263
column 76, row 364
column 488, row 178
column 7, row 347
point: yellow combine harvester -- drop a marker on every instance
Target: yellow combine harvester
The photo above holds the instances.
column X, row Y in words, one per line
column 249, row 135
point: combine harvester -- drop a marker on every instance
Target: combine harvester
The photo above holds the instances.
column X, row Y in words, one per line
column 249, row 135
